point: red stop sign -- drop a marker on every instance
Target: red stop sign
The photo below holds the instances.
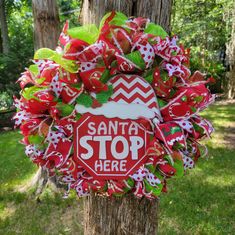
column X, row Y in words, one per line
column 110, row 148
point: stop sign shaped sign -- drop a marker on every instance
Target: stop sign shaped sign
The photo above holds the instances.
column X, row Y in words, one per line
column 110, row 148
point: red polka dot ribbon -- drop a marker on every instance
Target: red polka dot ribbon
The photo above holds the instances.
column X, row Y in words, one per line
column 127, row 61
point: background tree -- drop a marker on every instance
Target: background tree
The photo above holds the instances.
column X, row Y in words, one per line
column 46, row 34
column 20, row 31
column 19, row 23
column 46, row 23
column 231, row 58
column 126, row 215
column 205, row 27
column 4, row 28
column 69, row 9
column 158, row 11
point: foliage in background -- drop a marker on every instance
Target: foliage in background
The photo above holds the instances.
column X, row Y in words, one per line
column 69, row 9
column 5, row 100
column 205, row 27
column 20, row 26
column 20, row 29
column 202, row 25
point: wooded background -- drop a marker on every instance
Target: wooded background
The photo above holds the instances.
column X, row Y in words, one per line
column 207, row 27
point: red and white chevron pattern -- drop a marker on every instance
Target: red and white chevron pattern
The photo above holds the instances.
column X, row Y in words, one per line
column 133, row 89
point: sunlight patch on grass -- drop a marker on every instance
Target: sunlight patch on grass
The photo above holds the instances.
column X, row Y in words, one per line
column 221, row 181
column 8, row 211
column 216, row 140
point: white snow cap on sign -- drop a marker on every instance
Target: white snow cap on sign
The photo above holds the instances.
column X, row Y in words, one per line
column 123, row 111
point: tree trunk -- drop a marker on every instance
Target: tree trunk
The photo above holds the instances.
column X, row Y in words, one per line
column 1, row 46
column 231, row 60
column 127, row 215
column 46, row 34
column 158, row 11
column 46, row 23
column 4, row 29
column 121, row 216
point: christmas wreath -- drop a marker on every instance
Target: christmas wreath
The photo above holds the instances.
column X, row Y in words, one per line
column 114, row 110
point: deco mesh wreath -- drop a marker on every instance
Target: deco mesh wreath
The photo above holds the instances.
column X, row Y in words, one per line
column 115, row 109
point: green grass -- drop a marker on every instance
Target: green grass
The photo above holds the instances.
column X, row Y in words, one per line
column 20, row 212
column 203, row 202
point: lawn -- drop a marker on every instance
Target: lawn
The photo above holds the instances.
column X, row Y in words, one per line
column 203, row 202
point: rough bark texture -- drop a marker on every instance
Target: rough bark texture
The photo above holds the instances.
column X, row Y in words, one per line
column 126, row 215
column 46, row 23
column 158, row 11
column 41, row 180
column 231, row 60
column 4, row 29
column 120, row 216
column 46, row 34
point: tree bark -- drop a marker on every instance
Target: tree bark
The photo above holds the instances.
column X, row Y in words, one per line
column 121, row 216
column 158, row 11
column 46, row 23
column 4, row 28
column 46, row 34
column 230, row 52
column 127, row 215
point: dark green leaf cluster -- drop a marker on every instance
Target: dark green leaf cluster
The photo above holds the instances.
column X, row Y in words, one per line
column 205, row 27
column 20, row 30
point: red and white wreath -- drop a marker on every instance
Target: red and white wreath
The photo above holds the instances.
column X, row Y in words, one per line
column 114, row 110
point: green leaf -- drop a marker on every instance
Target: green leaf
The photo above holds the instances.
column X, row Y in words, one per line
column 77, row 85
column 105, row 76
column 179, row 166
column 78, row 116
column 48, row 54
column 193, row 109
column 84, row 100
column 156, row 191
column 29, row 92
column 161, row 103
column 172, row 93
column 103, row 96
column 164, row 76
column 34, row 69
column 149, row 76
column 119, row 19
column 35, row 139
column 169, row 159
column 150, row 167
column 68, row 65
column 65, row 109
column 177, row 146
column 87, row 33
column 40, row 80
column 129, row 184
column 198, row 98
column 184, row 98
column 44, row 53
column 104, row 19
column 198, row 128
column 136, row 58
column 159, row 175
column 155, row 30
